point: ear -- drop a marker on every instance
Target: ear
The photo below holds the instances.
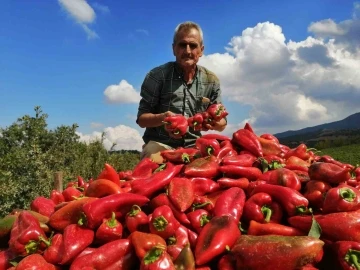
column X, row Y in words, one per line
column 202, row 50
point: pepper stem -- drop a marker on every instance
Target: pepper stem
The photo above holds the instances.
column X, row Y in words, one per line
column 352, row 257
column 209, row 150
column 204, row 219
column 153, row 255
column 347, row 194
column 112, row 222
column 31, row 247
column 160, row 223
column 135, row 209
column 267, row 212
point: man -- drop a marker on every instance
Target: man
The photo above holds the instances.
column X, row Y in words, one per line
column 180, row 87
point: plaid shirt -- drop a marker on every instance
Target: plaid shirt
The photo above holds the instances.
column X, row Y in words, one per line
column 164, row 89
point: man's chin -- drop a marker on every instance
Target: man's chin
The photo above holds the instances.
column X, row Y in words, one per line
column 187, row 63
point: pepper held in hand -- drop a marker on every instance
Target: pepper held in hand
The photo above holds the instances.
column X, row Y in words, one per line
column 176, row 125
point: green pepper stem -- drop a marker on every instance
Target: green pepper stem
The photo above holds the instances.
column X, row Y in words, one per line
column 160, row 223
column 347, row 194
column 135, row 209
column 352, row 257
column 267, row 212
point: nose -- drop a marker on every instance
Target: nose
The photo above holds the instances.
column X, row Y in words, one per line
column 188, row 49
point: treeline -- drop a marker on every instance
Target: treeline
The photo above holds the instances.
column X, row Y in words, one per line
column 30, row 154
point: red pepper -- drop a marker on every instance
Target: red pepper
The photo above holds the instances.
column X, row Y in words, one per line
column 230, row 202
column 123, row 175
column 179, row 155
column 102, row 187
column 57, row 197
column 244, row 160
column 329, row 159
column 109, row 173
column 226, row 262
column 269, row 136
column 196, row 121
column 225, row 182
column 296, row 163
column 71, row 194
column 249, row 127
column 192, row 238
column 342, row 198
column 143, row 242
column 216, row 136
column 158, row 181
column 328, row 172
column 207, row 119
column 6, row 223
column 341, row 226
column 181, row 193
column 198, row 219
column 203, row 202
column 185, row 260
column 301, row 151
column 176, row 125
column 144, row 168
column 256, row 228
column 292, row 201
column 34, row 261
column 207, row 147
column 303, row 176
column 233, row 171
column 75, row 240
column 136, row 219
column 248, row 141
column 215, row 238
column 117, row 254
column 315, row 193
column 68, row 214
column 202, row 167
column 95, row 211
column 203, row 185
column 217, row 111
column 43, row 206
column 348, row 254
column 269, row 147
column 268, row 252
column 177, row 242
column 26, row 235
column 162, row 222
column 157, row 259
column 261, row 208
column 284, row 177
column 111, row 229
column 53, row 253
column 163, row 199
column 6, row 257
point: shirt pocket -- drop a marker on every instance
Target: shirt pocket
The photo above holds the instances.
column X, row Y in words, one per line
column 202, row 103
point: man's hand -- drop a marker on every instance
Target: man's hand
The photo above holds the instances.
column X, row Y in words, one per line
column 218, row 126
column 153, row 119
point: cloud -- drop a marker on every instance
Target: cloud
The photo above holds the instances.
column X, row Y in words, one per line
column 96, row 125
column 124, row 138
column 82, row 13
column 291, row 85
column 145, row 32
column 100, row 7
column 121, row 93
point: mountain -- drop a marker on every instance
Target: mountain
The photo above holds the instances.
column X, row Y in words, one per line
column 350, row 122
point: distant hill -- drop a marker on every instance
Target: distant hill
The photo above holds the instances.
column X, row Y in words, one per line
column 346, row 131
column 350, row 122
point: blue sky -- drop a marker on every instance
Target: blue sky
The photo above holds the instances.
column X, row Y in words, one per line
column 282, row 64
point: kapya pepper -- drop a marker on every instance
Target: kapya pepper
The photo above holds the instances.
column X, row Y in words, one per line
column 202, row 167
column 301, row 151
column 230, row 202
column 198, row 219
column 6, row 257
column 226, row 149
column 257, row 228
column 283, row 177
column 185, row 260
column 143, row 242
column 57, row 197
column 196, row 121
column 179, row 155
column 72, row 193
column 162, row 222
column 296, row 163
column 226, row 182
column 342, row 198
column 328, row 172
column 26, row 236
column 261, row 208
column 269, row 147
column 34, row 261
column 53, row 253
column 348, row 254
column 157, row 259
column 203, row 185
column 43, row 206
column 234, row 171
column 181, row 193
column 144, row 168
column 268, row 252
column 109, row 173
column 102, row 187
column 315, row 193
column 136, row 219
column 244, row 160
column 249, row 141
column 217, row 111
column 292, row 201
column 177, row 242
column 117, row 254
column 341, row 226
column 111, row 229
column 215, row 238
column 207, row 147
column 95, row 211
column 176, row 125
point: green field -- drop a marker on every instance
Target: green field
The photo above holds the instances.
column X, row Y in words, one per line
column 348, row 153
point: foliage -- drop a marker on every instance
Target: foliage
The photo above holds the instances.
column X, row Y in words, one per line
column 30, row 154
column 347, row 154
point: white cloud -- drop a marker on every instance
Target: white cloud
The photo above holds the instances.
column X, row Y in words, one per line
column 125, row 138
column 100, row 7
column 121, row 93
column 82, row 13
column 295, row 84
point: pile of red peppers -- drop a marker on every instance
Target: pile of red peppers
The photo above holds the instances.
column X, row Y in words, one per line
column 245, row 202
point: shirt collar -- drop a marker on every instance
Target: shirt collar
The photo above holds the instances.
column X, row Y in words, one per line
column 180, row 72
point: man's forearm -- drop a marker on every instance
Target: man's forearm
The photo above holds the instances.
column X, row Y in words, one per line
column 151, row 120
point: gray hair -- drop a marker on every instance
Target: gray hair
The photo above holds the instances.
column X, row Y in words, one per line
column 187, row 26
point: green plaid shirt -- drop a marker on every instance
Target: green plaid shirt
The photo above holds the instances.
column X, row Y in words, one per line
column 164, row 89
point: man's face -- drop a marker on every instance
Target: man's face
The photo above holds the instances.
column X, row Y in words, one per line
column 188, row 48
